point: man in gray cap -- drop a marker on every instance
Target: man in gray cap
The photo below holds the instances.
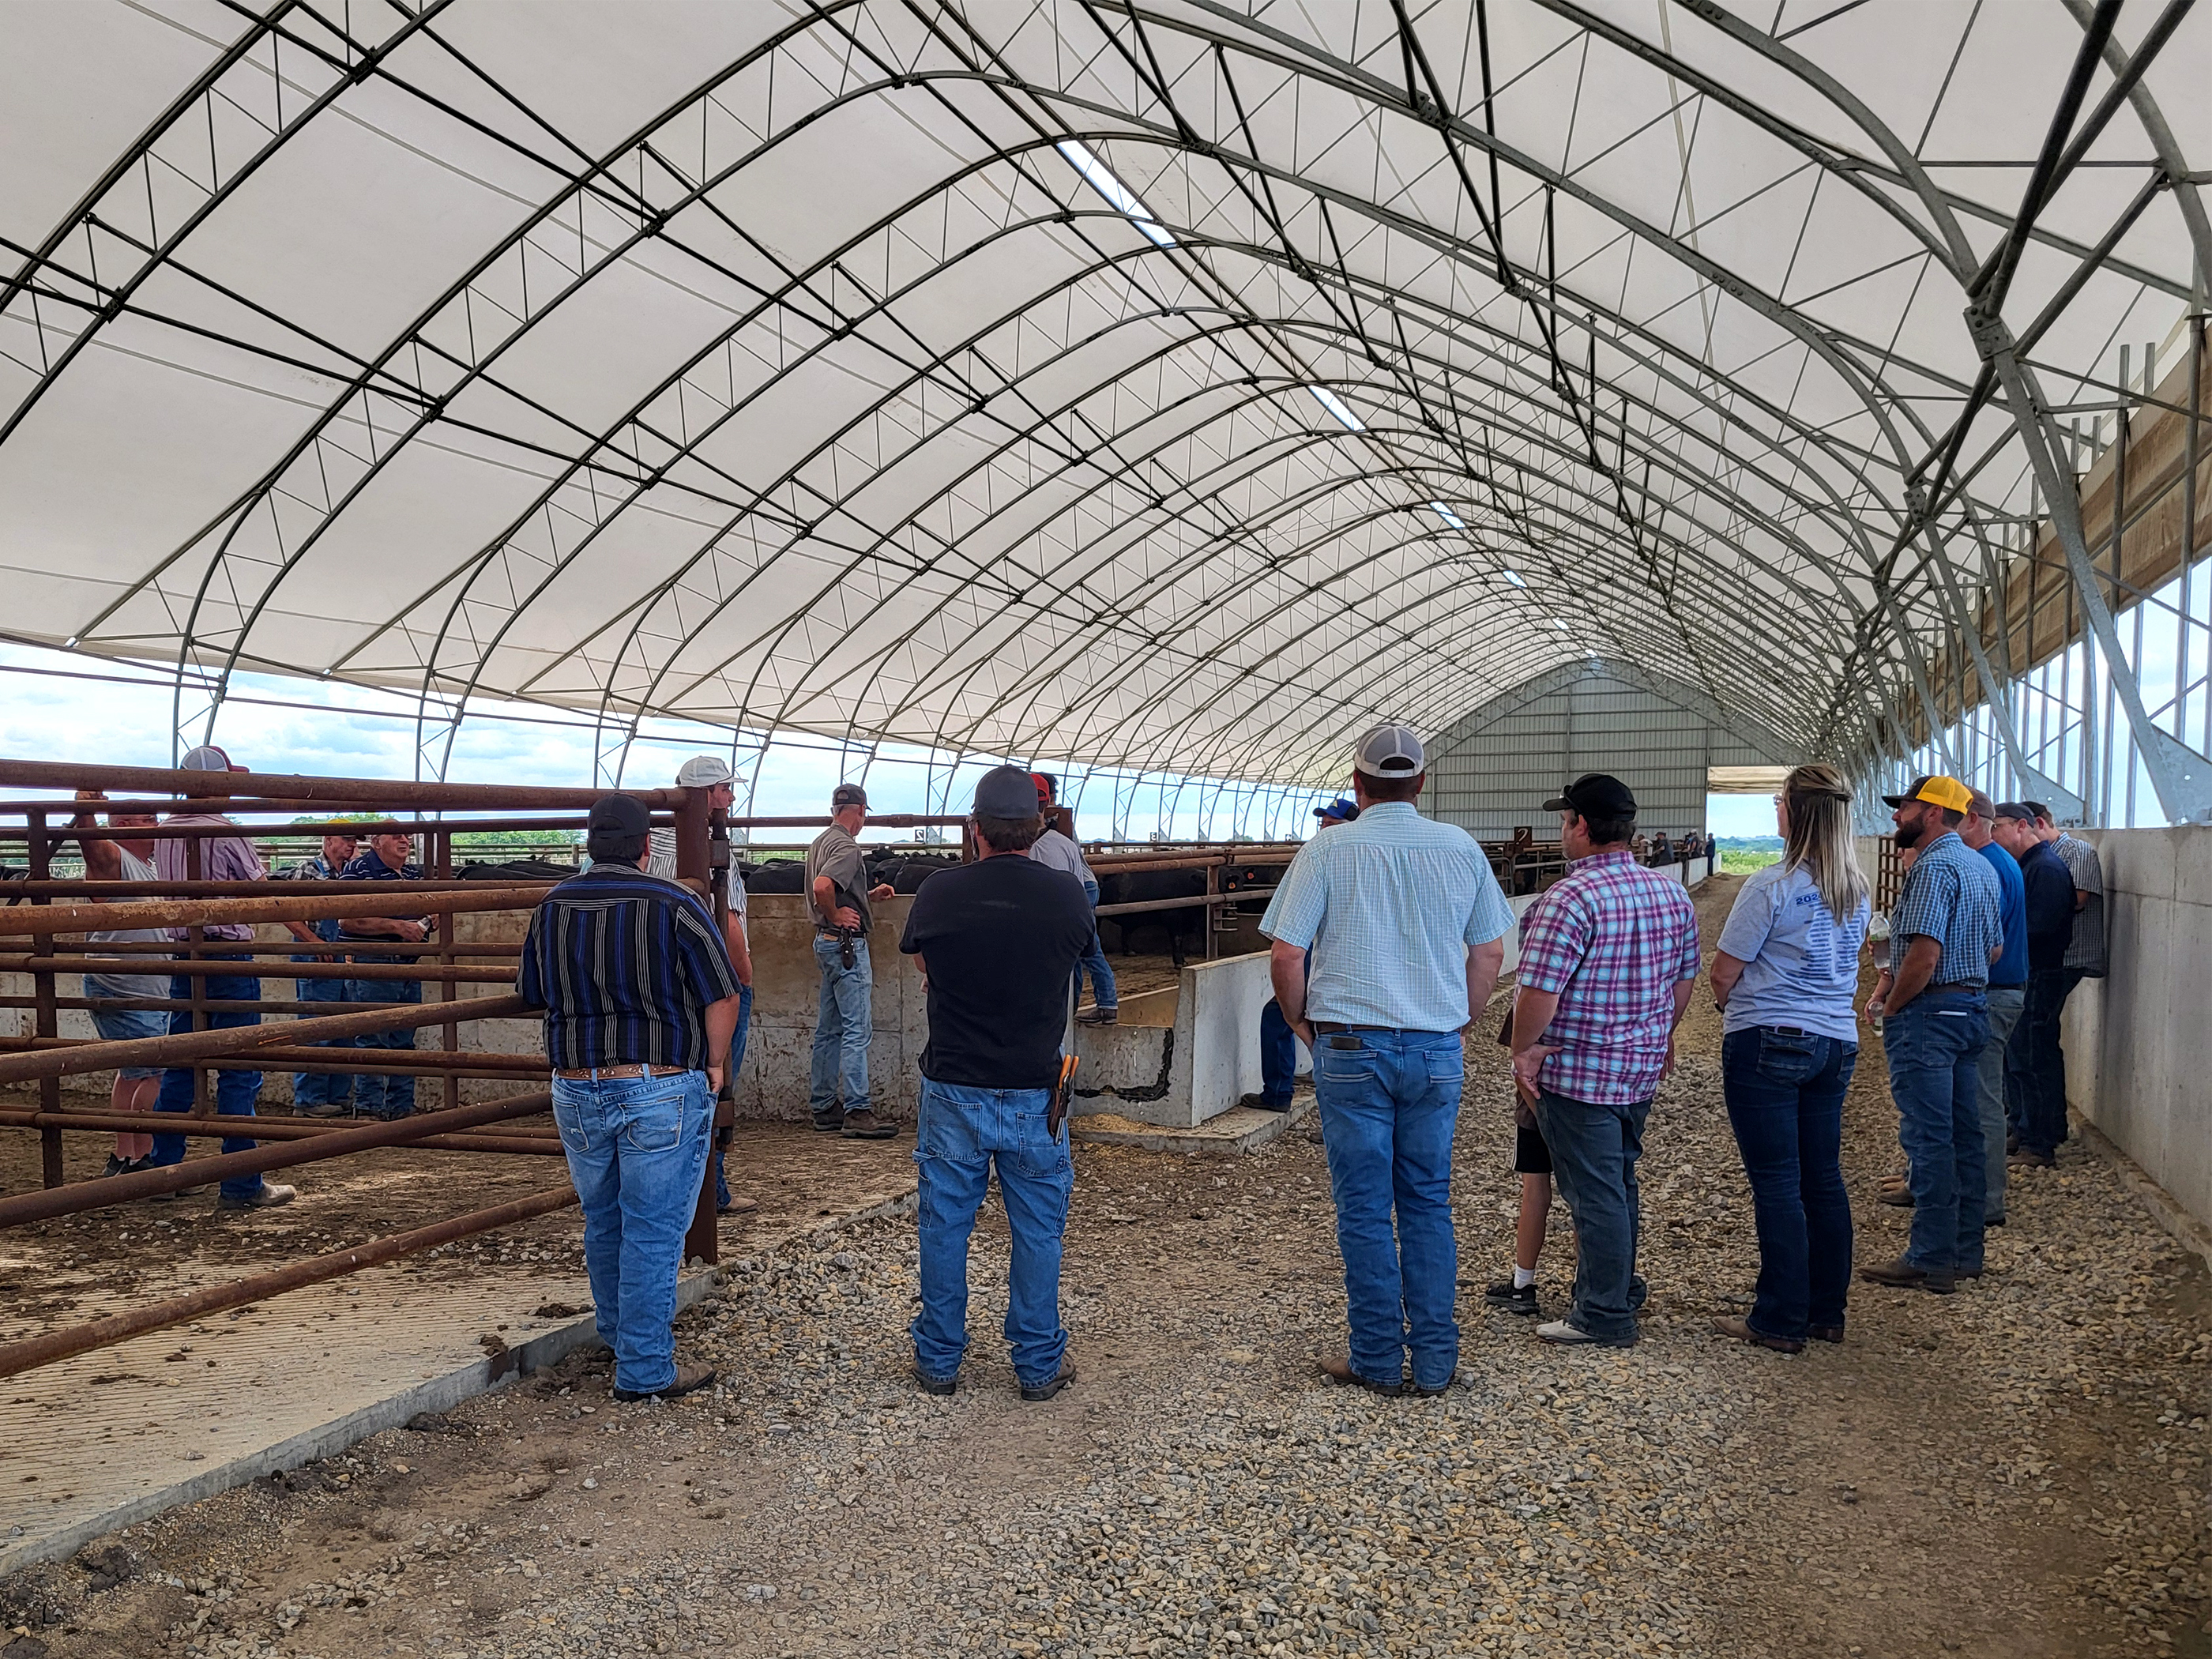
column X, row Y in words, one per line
column 997, row 942
column 1407, row 929
column 837, row 888
column 712, row 774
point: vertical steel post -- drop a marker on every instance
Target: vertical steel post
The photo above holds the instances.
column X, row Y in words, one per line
column 42, row 991
column 2191, row 457
column 693, row 862
column 441, row 867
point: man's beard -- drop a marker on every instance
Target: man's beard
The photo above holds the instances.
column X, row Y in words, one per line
column 1908, row 834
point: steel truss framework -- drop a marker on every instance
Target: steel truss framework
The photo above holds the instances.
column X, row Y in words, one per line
column 1173, row 386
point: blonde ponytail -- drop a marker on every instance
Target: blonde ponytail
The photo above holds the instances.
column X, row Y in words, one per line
column 1820, row 840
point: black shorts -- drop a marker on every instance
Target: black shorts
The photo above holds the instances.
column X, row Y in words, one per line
column 1530, row 1155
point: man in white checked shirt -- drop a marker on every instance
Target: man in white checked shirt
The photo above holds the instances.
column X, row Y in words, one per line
column 1407, row 927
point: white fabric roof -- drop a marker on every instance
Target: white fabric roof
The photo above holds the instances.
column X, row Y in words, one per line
column 947, row 371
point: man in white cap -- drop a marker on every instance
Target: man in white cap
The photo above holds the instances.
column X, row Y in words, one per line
column 220, row 858
column 712, row 774
column 1406, row 931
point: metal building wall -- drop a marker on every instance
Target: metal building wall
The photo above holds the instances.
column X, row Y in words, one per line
column 1492, row 771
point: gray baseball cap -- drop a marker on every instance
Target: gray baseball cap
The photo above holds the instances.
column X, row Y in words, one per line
column 704, row 772
column 1389, row 752
column 847, row 794
column 1005, row 792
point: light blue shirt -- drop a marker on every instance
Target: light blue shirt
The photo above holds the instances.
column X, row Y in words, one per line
column 1799, row 966
column 1389, row 905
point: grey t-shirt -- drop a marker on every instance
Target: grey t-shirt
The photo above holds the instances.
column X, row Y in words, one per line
column 1800, row 967
column 2086, row 951
column 837, row 856
column 1057, row 851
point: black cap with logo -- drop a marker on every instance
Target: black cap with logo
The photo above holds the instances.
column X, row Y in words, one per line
column 1595, row 795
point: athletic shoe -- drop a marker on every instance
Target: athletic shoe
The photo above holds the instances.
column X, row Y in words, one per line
column 116, row 1166
column 1507, row 1299
column 1570, row 1336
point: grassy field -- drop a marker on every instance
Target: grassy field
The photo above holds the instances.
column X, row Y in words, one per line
column 1741, row 861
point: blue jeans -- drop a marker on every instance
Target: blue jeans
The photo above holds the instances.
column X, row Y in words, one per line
column 1595, row 1147
column 842, row 1030
column 1093, row 961
column 2036, row 1059
column 1934, row 1045
column 1785, row 1103
column 637, row 1149
column 322, row 1088
column 1389, row 1102
column 1278, row 1056
column 234, row 1091
column 384, row 1094
column 961, row 1133
column 736, row 1059
column 2006, row 1003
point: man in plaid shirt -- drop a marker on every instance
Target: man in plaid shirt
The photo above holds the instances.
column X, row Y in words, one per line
column 1607, row 958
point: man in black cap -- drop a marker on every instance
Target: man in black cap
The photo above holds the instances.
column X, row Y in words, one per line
column 1607, row 957
column 997, row 942
column 837, row 888
column 641, row 1001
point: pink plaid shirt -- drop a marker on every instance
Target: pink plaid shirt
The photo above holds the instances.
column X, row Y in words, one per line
column 1613, row 939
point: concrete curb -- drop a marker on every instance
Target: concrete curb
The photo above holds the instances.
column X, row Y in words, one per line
column 437, row 1394
column 2185, row 1229
column 1213, row 1136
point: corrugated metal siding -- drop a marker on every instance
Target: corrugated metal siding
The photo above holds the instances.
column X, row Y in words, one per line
column 1496, row 777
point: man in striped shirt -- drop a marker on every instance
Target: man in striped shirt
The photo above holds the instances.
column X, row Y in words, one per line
column 640, row 1000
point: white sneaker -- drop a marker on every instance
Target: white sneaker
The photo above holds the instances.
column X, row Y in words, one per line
column 1566, row 1335
column 272, row 1193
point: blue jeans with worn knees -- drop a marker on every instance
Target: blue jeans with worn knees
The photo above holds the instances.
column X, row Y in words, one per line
column 1093, row 961
column 842, row 1028
column 322, row 1088
column 1935, row 1047
column 637, row 1150
column 235, row 1092
column 1595, row 1147
column 2037, row 1053
column 1389, row 1102
column 961, row 1134
column 1279, row 1055
column 2005, row 1003
column 730, row 1074
column 1785, row 1102
column 384, row 1094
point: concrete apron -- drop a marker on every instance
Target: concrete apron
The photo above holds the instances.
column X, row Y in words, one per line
column 116, row 1437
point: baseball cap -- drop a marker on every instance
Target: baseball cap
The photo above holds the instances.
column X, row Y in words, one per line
column 1938, row 791
column 1339, row 810
column 1595, row 795
column 704, row 772
column 2013, row 809
column 206, row 758
column 1044, row 787
column 1390, row 751
column 1007, row 791
column 617, row 816
column 847, row 794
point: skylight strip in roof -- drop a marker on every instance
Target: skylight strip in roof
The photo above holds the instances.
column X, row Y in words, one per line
column 1123, row 199
column 1336, row 406
column 1447, row 515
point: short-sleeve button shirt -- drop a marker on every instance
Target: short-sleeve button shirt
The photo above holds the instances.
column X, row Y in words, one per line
column 1612, row 939
column 1389, row 905
column 2086, row 950
column 1950, row 895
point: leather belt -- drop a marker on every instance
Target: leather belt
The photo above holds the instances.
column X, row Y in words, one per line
column 1330, row 1028
column 584, row 1074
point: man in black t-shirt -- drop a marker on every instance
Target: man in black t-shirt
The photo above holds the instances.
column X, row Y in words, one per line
column 997, row 942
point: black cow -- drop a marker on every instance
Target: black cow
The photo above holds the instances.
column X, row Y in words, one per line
column 1180, row 932
column 908, row 871
column 776, row 876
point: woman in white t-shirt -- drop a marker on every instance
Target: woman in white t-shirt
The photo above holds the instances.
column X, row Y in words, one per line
column 1787, row 969
column 136, row 1086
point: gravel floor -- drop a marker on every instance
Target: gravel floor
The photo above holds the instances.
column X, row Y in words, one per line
column 2018, row 1470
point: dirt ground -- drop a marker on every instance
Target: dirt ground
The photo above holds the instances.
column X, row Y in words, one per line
column 2015, row 1472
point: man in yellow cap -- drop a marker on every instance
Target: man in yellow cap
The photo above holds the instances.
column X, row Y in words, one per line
column 1947, row 927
